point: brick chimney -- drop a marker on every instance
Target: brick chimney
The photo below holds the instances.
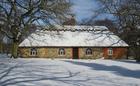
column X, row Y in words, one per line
column 70, row 21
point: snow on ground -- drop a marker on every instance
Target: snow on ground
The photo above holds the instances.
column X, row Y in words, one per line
column 67, row 72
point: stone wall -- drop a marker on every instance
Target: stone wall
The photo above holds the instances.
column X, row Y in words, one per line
column 24, row 52
column 53, row 53
column 96, row 53
column 118, row 53
column 46, row 53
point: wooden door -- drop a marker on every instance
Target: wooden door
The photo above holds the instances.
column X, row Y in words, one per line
column 75, row 53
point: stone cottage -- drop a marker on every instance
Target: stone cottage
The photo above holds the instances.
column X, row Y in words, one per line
column 74, row 42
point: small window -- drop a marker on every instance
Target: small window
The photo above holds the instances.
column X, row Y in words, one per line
column 33, row 52
column 88, row 51
column 61, row 51
column 110, row 51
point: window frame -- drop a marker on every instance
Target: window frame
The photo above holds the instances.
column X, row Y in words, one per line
column 88, row 52
column 61, row 52
column 33, row 52
column 110, row 51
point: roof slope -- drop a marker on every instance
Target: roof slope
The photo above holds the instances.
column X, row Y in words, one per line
column 74, row 38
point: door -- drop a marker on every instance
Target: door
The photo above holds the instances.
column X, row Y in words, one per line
column 75, row 53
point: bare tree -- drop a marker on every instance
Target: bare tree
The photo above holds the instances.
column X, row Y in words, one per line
column 110, row 24
column 18, row 15
column 127, row 14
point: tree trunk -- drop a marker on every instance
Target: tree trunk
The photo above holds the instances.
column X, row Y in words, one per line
column 137, row 50
column 15, row 49
column 1, row 47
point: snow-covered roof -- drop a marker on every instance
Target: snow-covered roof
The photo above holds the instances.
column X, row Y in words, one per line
column 67, row 38
column 76, row 28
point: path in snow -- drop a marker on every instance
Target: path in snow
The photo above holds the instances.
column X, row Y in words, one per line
column 46, row 72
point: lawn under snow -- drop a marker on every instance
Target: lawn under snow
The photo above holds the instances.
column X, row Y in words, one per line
column 64, row 72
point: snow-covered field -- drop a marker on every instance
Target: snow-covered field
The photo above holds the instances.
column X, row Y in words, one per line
column 64, row 72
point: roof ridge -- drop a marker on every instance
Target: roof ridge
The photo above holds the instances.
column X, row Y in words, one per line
column 76, row 28
column 73, row 30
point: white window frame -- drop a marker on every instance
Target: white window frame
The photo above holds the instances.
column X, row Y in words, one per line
column 61, row 52
column 33, row 52
column 88, row 51
column 110, row 51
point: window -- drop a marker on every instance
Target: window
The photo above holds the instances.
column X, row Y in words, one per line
column 88, row 51
column 110, row 51
column 33, row 52
column 61, row 51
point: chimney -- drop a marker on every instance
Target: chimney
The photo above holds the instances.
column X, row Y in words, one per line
column 70, row 21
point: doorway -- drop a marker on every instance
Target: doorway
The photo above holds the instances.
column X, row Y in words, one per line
column 75, row 53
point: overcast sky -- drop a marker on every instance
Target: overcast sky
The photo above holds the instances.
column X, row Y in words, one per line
column 85, row 9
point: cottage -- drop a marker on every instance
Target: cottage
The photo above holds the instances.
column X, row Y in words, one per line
column 74, row 42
